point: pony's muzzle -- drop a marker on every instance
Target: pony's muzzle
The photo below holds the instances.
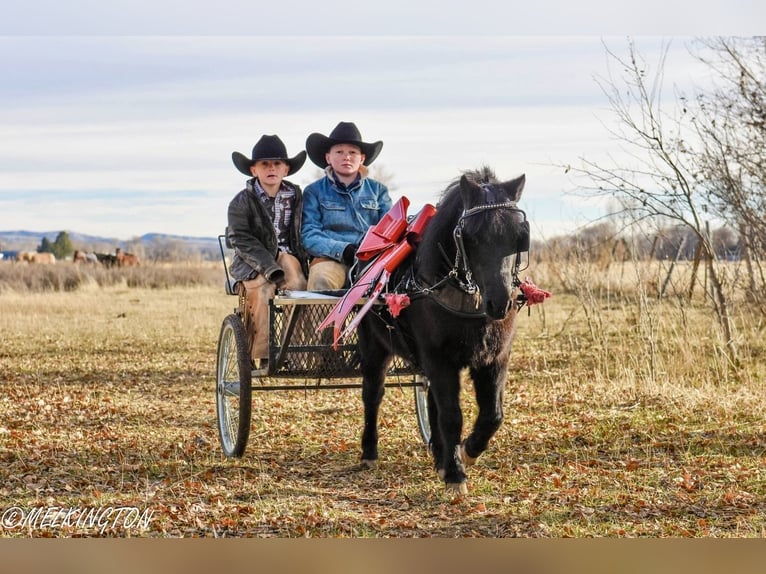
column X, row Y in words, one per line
column 498, row 310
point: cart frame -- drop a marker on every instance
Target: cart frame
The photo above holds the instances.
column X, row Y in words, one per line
column 299, row 359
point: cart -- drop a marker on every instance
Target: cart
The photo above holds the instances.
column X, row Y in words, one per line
column 299, row 359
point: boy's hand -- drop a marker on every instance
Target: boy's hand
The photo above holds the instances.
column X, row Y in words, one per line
column 348, row 254
column 278, row 278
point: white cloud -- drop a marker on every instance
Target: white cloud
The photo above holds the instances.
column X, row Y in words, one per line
column 419, row 17
column 135, row 134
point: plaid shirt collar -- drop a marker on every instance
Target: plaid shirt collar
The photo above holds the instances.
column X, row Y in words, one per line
column 280, row 209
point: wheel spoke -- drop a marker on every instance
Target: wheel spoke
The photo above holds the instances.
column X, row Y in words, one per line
column 231, row 388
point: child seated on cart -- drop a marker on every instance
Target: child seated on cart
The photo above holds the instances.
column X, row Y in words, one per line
column 341, row 205
column 264, row 228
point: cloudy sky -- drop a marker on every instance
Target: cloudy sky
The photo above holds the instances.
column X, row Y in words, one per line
column 119, row 118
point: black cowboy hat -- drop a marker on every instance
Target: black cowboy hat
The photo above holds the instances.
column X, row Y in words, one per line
column 318, row 145
column 268, row 147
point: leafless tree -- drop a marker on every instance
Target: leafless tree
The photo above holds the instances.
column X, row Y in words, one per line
column 656, row 175
column 169, row 249
column 730, row 121
column 385, row 176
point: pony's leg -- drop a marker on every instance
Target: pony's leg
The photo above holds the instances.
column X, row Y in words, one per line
column 445, row 388
column 489, row 382
column 373, row 388
column 436, row 444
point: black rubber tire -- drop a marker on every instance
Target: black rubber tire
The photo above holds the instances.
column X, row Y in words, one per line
column 421, row 409
column 233, row 395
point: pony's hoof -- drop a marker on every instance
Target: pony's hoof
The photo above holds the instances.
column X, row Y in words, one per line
column 367, row 464
column 453, row 489
column 463, row 456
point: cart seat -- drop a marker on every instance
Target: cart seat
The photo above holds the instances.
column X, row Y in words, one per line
column 231, row 285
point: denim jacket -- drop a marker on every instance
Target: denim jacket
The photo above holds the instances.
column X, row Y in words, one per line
column 334, row 217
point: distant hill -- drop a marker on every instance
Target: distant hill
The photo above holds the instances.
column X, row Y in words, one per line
column 21, row 240
column 10, row 238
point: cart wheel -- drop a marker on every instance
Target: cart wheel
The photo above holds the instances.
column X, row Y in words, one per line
column 421, row 409
column 233, row 387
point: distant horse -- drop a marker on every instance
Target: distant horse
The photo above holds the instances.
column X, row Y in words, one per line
column 86, row 258
column 35, row 257
column 461, row 281
column 43, row 258
column 106, row 259
column 126, row 259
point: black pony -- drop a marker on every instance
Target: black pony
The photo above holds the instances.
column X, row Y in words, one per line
column 462, row 281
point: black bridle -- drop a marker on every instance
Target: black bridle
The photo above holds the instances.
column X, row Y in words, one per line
column 461, row 269
column 460, row 273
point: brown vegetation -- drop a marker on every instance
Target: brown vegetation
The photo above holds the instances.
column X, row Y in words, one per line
column 69, row 276
column 623, row 419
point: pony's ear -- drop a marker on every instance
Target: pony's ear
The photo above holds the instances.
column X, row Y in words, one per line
column 514, row 187
column 471, row 193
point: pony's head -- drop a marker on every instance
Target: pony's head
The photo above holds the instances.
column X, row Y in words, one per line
column 491, row 234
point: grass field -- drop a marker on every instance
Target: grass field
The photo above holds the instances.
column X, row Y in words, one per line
column 623, row 419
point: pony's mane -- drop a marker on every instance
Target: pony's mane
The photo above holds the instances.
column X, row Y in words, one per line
column 484, row 174
column 450, row 203
column 448, row 210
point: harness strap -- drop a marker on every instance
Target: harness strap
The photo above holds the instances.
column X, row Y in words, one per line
column 415, row 289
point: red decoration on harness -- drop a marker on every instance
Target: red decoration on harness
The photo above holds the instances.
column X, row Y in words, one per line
column 533, row 293
column 386, row 232
column 396, row 302
column 393, row 239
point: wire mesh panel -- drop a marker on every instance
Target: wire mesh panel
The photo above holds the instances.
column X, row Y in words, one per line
column 297, row 350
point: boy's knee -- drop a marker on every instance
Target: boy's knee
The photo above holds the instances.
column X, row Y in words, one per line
column 327, row 275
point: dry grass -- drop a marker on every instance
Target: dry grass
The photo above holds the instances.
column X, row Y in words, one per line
column 68, row 276
column 622, row 420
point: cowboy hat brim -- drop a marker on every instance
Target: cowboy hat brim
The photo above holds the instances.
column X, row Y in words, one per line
column 244, row 163
column 317, row 146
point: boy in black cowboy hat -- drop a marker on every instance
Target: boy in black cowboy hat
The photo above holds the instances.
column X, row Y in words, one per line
column 264, row 229
column 340, row 207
